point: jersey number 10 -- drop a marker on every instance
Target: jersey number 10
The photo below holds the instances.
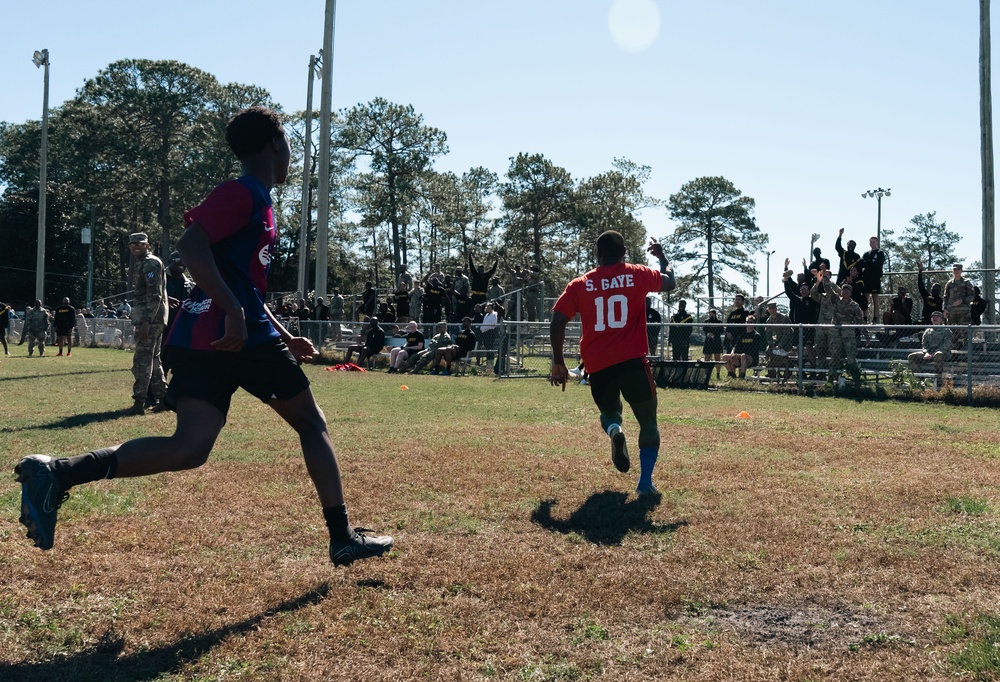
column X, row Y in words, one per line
column 617, row 312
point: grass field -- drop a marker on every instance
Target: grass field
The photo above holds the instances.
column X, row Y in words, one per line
column 820, row 539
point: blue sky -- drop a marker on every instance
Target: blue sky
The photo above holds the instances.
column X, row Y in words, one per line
column 803, row 105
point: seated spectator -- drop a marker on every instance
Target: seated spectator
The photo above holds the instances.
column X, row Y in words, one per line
column 374, row 341
column 935, row 345
column 746, row 349
column 414, row 344
column 417, row 361
column 466, row 342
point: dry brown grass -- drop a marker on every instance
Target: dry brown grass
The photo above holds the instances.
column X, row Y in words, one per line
column 821, row 539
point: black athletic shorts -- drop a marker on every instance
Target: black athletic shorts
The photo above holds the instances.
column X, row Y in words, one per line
column 268, row 371
column 632, row 380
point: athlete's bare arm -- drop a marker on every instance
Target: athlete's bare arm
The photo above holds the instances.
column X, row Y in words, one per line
column 196, row 250
column 557, row 336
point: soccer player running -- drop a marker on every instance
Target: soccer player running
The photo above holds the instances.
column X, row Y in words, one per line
column 613, row 345
column 224, row 338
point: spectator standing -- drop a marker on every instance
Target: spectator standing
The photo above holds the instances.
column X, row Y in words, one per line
column 858, row 290
column 932, row 301
column 935, row 345
column 802, row 309
column 433, row 298
column 401, row 302
column 976, row 308
column 824, row 292
column 779, row 338
column 712, row 348
column 226, row 246
column 416, row 300
column 404, row 277
column 149, row 317
column 36, row 326
column 613, row 346
column 818, row 262
column 958, row 295
column 369, row 299
column 900, row 309
column 321, row 314
column 872, row 267
column 179, row 286
column 900, row 313
column 4, row 325
column 495, row 291
column 844, row 346
column 736, row 319
column 849, row 257
column 124, row 311
column 336, row 312
column 489, row 327
column 680, row 332
column 462, row 292
column 65, row 321
column 479, row 280
column 653, row 322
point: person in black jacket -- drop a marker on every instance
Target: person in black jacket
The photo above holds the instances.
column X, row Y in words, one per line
column 680, row 331
column 978, row 307
column 849, row 257
column 932, row 301
column 374, row 341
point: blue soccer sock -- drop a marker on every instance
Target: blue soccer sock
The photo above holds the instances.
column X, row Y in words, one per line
column 647, row 461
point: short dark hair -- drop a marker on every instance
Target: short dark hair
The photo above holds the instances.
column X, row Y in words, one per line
column 249, row 131
column 610, row 246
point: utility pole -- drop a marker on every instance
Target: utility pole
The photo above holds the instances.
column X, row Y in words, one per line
column 986, row 151
column 325, row 115
column 306, row 181
column 40, row 59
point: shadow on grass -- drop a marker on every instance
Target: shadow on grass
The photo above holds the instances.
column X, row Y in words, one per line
column 64, row 374
column 71, row 422
column 104, row 660
column 605, row 518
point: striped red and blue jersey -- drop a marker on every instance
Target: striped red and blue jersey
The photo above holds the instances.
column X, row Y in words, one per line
column 239, row 221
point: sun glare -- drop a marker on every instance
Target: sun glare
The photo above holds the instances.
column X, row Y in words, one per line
column 634, row 24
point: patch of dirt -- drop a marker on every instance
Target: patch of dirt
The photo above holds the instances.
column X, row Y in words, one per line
column 808, row 626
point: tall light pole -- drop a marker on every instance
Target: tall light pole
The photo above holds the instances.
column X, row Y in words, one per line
column 877, row 194
column 306, row 177
column 40, row 59
column 767, row 286
column 325, row 114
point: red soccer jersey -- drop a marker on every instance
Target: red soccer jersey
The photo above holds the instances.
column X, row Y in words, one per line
column 611, row 301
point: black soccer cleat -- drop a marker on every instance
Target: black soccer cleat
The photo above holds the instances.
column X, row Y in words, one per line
column 359, row 547
column 41, row 497
column 619, row 452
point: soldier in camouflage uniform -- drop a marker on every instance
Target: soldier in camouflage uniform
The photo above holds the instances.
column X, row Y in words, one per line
column 824, row 292
column 846, row 311
column 36, row 326
column 149, row 317
column 958, row 295
column 935, row 345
